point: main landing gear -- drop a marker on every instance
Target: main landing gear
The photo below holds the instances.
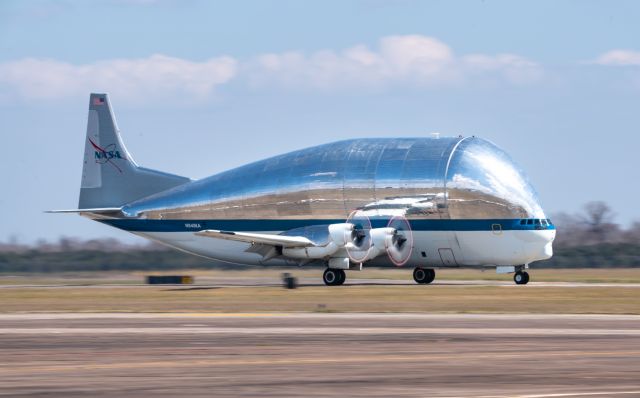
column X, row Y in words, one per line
column 423, row 275
column 334, row 277
column 521, row 278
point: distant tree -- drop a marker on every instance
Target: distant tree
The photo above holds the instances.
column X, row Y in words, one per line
column 632, row 234
column 66, row 244
column 598, row 219
column 570, row 230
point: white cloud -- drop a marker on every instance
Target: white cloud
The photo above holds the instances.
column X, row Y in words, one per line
column 513, row 68
column 411, row 59
column 132, row 80
column 619, row 58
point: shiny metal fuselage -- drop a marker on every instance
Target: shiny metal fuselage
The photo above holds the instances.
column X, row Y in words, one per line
column 463, row 197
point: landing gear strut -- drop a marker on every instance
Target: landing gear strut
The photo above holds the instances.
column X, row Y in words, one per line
column 334, row 277
column 423, row 275
column 521, row 278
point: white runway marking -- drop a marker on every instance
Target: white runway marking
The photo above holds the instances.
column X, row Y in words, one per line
column 305, row 315
column 321, row 331
column 558, row 395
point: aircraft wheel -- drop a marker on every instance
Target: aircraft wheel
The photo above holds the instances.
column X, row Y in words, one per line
column 333, row 277
column 342, row 275
column 423, row 275
column 431, row 275
column 521, row 278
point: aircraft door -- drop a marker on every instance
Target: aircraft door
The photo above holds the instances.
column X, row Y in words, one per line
column 447, row 257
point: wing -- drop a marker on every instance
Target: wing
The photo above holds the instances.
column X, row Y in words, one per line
column 264, row 239
column 331, row 241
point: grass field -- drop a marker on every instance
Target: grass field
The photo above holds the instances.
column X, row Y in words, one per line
column 64, row 293
column 590, row 275
column 458, row 299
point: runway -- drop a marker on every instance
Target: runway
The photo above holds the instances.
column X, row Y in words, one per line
column 294, row 354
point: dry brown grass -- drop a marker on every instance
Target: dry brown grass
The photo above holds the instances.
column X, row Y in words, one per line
column 49, row 295
column 599, row 275
column 358, row 298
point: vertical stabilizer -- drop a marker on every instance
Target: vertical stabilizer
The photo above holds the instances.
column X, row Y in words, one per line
column 110, row 177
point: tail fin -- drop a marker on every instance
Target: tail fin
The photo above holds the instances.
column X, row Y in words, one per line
column 110, row 177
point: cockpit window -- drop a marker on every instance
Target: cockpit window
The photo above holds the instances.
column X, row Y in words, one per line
column 544, row 223
column 529, row 222
column 537, row 221
column 523, row 222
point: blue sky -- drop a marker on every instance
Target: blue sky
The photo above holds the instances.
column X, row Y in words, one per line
column 199, row 87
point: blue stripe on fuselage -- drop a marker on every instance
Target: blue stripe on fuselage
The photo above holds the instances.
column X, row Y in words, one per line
column 142, row 225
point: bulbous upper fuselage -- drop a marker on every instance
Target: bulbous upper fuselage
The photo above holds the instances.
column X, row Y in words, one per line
column 420, row 178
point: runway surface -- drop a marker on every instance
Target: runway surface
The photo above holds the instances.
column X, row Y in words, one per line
column 373, row 355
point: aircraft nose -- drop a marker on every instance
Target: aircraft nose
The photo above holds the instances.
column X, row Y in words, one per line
column 538, row 236
column 538, row 245
column 547, row 252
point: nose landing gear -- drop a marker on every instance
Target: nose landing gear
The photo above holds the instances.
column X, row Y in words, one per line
column 423, row 275
column 334, row 277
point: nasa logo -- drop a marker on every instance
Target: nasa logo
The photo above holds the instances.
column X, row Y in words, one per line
column 106, row 154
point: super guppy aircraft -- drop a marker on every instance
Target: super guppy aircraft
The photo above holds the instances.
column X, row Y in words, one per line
column 425, row 203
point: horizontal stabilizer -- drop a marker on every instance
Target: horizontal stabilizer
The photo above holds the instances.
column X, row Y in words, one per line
column 95, row 210
column 266, row 239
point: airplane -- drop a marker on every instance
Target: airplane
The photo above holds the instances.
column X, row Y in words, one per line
column 426, row 203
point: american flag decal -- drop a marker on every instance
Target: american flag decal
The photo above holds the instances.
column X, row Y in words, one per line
column 98, row 101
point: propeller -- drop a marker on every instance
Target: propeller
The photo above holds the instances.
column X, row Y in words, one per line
column 400, row 245
column 360, row 237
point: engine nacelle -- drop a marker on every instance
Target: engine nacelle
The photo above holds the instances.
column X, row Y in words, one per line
column 341, row 234
column 361, row 245
column 382, row 237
